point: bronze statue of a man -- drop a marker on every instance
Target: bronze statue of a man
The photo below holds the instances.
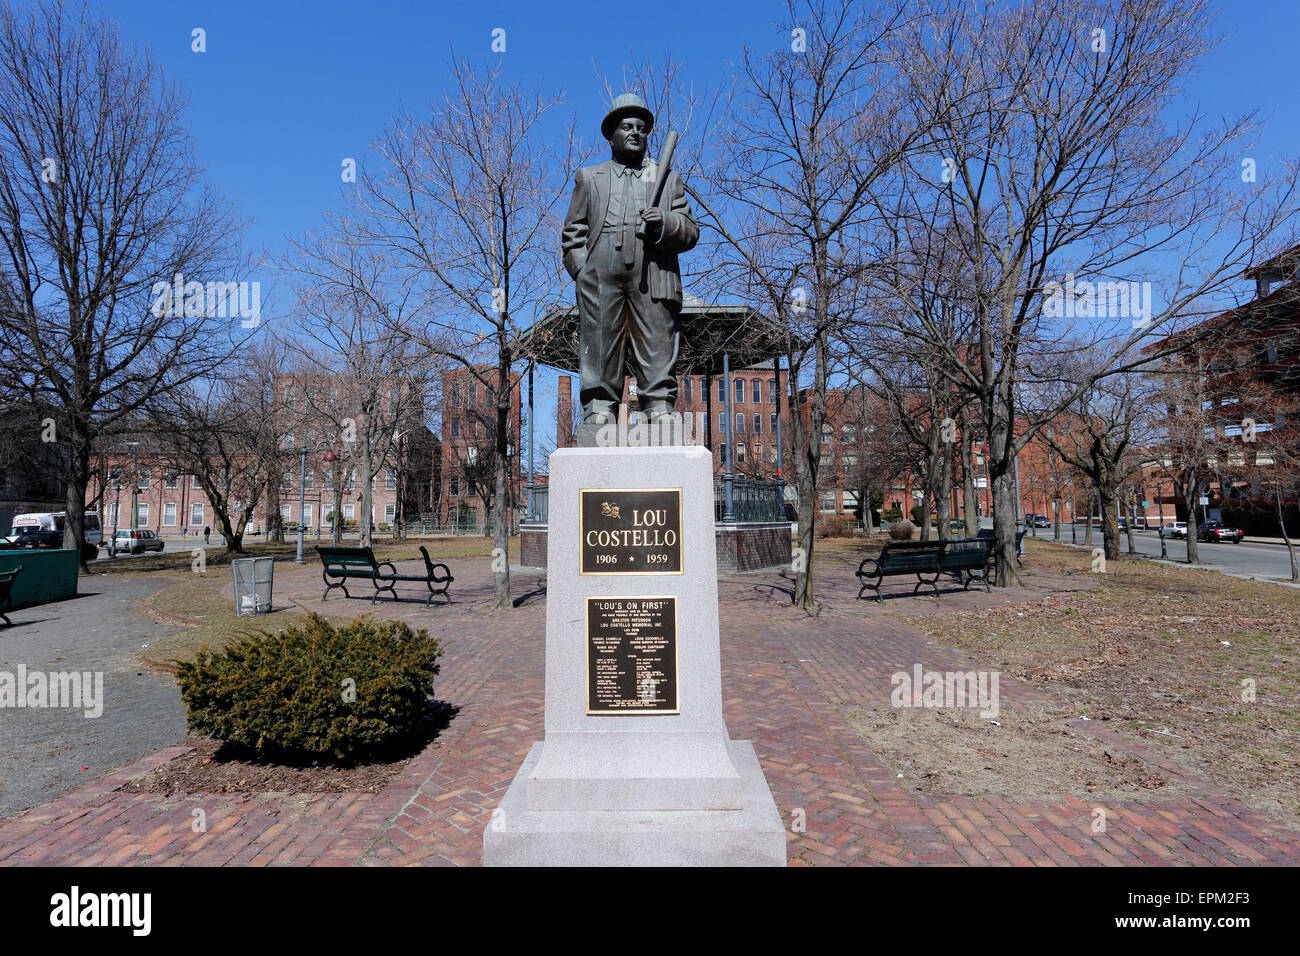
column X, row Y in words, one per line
column 622, row 254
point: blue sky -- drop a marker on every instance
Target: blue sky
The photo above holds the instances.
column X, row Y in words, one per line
column 286, row 90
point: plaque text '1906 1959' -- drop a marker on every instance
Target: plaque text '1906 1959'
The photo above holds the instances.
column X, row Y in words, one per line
column 631, row 531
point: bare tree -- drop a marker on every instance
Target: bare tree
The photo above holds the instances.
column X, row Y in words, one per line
column 227, row 433
column 468, row 197
column 364, row 371
column 808, row 135
column 1048, row 141
column 101, row 199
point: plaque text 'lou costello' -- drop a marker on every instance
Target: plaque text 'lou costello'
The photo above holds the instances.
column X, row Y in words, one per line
column 631, row 531
column 632, row 655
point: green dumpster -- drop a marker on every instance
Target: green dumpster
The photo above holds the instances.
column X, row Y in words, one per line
column 47, row 575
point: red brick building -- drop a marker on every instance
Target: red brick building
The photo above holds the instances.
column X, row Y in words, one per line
column 468, row 444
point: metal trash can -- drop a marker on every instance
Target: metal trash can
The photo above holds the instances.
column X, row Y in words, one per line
column 254, row 578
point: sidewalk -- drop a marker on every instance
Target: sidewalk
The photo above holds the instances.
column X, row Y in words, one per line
column 788, row 680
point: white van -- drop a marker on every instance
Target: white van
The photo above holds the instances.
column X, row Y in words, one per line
column 53, row 521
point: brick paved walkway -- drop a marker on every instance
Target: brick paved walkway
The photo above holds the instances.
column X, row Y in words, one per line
column 788, row 679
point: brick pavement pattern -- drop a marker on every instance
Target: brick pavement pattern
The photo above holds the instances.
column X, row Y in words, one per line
column 789, row 677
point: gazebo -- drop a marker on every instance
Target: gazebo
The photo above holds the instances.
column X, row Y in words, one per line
column 751, row 528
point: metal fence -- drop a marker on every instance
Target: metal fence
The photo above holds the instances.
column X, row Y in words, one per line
column 541, row 505
column 751, row 500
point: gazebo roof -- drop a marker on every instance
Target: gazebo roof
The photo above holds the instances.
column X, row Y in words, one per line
column 708, row 331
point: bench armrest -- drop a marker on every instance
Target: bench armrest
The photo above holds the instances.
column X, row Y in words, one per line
column 392, row 568
column 874, row 570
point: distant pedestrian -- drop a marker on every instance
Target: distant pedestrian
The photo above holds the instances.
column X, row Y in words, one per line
column 207, row 534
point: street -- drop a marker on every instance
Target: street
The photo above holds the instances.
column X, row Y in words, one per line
column 1250, row 557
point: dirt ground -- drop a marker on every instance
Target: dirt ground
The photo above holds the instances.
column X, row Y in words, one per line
column 1201, row 664
column 1023, row 754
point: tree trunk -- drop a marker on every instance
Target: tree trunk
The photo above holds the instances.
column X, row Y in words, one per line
column 943, row 494
column 501, row 485
column 367, row 494
column 1190, row 486
column 1004, row 525
column 1087, row 538
column 74, row 501
column 970, row 503
column 1107, row 504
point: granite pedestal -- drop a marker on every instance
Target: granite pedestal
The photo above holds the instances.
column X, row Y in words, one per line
column 633, row 788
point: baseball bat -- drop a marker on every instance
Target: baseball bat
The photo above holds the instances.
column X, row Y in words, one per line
column 665, row 163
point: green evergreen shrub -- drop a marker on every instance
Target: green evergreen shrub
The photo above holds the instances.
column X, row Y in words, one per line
column 314, row 690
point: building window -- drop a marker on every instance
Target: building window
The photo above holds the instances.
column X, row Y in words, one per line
column 772, row 455
column 757, row 389
column 453, row 486
column 828, row 504
column 286, row 481
column 758, row 424
column 196, row 513
column 194, row 483
column 850, row 461
column 740, row 422
column 722, row 389
column 143, row 483
column 141, row 514
column 848, row 434
column 771, row 422
column 112, row 514
column 455, row 428
column 390, row 480
column 171, row 481
column 826, row 434
column 771, row 390
column 725, row 423
column 758, row 451
column 688, row 388
column 349, row 511
column 286, row 513
column 740, row 453
column 390, row 512
column 307, row 515
column 329, row 481
column 169, row 514
column 740, row 391
column 704, row 422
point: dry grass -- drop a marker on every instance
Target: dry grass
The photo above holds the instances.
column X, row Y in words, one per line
column 1169, row 654
column 194, row 604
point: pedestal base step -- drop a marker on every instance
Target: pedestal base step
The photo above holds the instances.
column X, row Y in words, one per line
column 751, row 836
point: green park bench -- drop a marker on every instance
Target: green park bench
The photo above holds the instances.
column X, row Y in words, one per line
column 967, row 559
column 360, row 563
column 898, row 558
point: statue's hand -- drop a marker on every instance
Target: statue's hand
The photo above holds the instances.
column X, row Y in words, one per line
column 653, row 218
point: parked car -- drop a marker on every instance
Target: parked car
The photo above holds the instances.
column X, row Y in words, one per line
column 1174, row 529
column 1218, row 531
column 134, row 542
column 1038, row 521
column 38, row 538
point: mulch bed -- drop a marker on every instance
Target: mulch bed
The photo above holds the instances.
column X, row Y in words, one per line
column 214, row 767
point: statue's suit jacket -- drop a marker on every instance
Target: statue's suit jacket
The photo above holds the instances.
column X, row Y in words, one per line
column 586, row 217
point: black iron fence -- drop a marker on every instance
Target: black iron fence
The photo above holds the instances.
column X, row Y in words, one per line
column 751, row 500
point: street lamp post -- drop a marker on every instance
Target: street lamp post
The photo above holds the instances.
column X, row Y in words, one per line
column 302, row 491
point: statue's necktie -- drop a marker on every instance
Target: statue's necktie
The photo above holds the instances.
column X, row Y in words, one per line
column 627, row 232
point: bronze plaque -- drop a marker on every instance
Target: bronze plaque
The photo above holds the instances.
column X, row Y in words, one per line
column 632, row 655
column 631, row 531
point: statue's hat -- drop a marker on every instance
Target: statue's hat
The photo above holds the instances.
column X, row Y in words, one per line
column 626, row 104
